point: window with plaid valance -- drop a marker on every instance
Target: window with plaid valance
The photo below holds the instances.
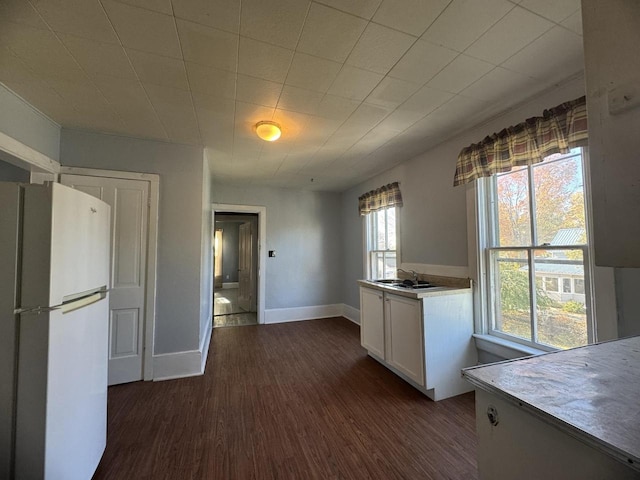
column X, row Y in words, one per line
column 557, row 131
column 383, row 197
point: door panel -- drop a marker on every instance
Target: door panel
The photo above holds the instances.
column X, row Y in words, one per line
column 245, row 255
column 129, row 226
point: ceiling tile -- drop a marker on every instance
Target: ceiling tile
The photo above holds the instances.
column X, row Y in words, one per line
column 337, row 108
column 552, row 9
column 574, row 22
column 208, row 46
column 510, row 34
column 501, row 84
column 174, row 97
column 41, row 51
column 354, row 83
column 162, row 6
column 176, row 112
column 77, row 17
column 426, row 100
column 391, row 92
column 422, row 62
column 259, row 59
column 257, row 90
column 460, row 73
column 312, row 73
column 215, row 106
column 464, row 21
column 20, row 11
column 144, row 30
column 273, row 21
column 556, row 55
column 222, row 14
column 379, row 48
column 152, row 68
column 410, row 16
column 211, row 81
column 97, row 58
column 299, row 100
column 399, row 120
column 361, row 8
column 329, row 33
column 367, row 115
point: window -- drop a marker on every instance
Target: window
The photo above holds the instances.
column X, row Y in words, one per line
column 381, row 243
column 536, row 247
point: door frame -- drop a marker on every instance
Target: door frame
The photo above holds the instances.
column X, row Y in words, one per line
column 152, row 253
column 262, row 241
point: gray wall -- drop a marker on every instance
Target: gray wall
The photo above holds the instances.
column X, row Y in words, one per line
column 305, row 230
column 24, row 123
column 180, row 228
column 229, row 250
column 611, row 39
column 11, row 173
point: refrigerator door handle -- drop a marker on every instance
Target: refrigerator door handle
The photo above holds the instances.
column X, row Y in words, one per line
column 82, row 302
column 66, row 307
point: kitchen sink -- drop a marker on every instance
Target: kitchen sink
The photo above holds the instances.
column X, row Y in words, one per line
column 388, row 280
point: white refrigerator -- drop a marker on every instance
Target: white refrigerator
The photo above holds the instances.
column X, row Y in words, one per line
column 54, row 275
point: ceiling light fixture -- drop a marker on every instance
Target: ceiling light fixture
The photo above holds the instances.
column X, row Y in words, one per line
column 269, row 131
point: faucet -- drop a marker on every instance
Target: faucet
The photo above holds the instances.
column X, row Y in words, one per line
column 411, row 272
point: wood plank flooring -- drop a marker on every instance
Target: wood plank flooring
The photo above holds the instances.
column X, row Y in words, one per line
column 289, row 401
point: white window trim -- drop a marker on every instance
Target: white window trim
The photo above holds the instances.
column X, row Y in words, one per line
column 366, row 243
column 604, row 307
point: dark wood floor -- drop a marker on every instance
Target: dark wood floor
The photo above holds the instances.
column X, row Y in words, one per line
column 289, row 401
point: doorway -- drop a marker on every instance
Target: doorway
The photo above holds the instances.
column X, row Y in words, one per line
column 236, row 255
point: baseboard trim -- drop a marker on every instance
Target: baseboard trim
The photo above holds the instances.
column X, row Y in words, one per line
column 169, row 366
column 281, row 315
column 230, row 285
column 351, row 313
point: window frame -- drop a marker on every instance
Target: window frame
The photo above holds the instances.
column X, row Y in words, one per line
column 368, row 242
column 487, row 233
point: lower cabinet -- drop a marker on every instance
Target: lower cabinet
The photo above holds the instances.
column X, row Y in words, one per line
column 426, row 341
column 404, row 348
column 372, row 334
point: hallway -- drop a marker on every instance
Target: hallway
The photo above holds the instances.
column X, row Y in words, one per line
column 227, row 311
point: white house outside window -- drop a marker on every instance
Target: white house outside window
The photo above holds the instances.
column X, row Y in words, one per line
column 537, row 254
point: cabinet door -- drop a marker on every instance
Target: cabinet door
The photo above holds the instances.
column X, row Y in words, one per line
column 372, row 321
column 405, row 348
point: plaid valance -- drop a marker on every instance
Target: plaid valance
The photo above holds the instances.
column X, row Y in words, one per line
column 383, row 197
column 557, row 131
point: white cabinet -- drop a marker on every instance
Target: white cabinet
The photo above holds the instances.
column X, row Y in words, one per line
column 425, row 339
column 404, row 345
column 372, row 330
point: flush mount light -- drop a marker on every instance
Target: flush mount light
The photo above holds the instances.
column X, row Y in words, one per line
column 269, row 131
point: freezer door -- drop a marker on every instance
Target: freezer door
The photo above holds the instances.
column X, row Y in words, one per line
column 65, row 244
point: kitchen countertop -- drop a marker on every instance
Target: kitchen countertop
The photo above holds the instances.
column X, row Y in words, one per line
column 591, row 392
column 411, row 293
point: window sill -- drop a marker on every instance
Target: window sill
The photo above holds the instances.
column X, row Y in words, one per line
column 504, row 348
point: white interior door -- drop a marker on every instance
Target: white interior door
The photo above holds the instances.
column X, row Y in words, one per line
column 129, row 200
column 245, row 254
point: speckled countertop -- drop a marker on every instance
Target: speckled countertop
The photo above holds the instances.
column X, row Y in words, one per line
column 591, row 392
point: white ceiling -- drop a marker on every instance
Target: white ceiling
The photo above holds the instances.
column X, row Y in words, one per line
column 357, row 85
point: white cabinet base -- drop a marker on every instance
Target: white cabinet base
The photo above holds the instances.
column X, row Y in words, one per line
column 426, row 341
column 525, row 447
